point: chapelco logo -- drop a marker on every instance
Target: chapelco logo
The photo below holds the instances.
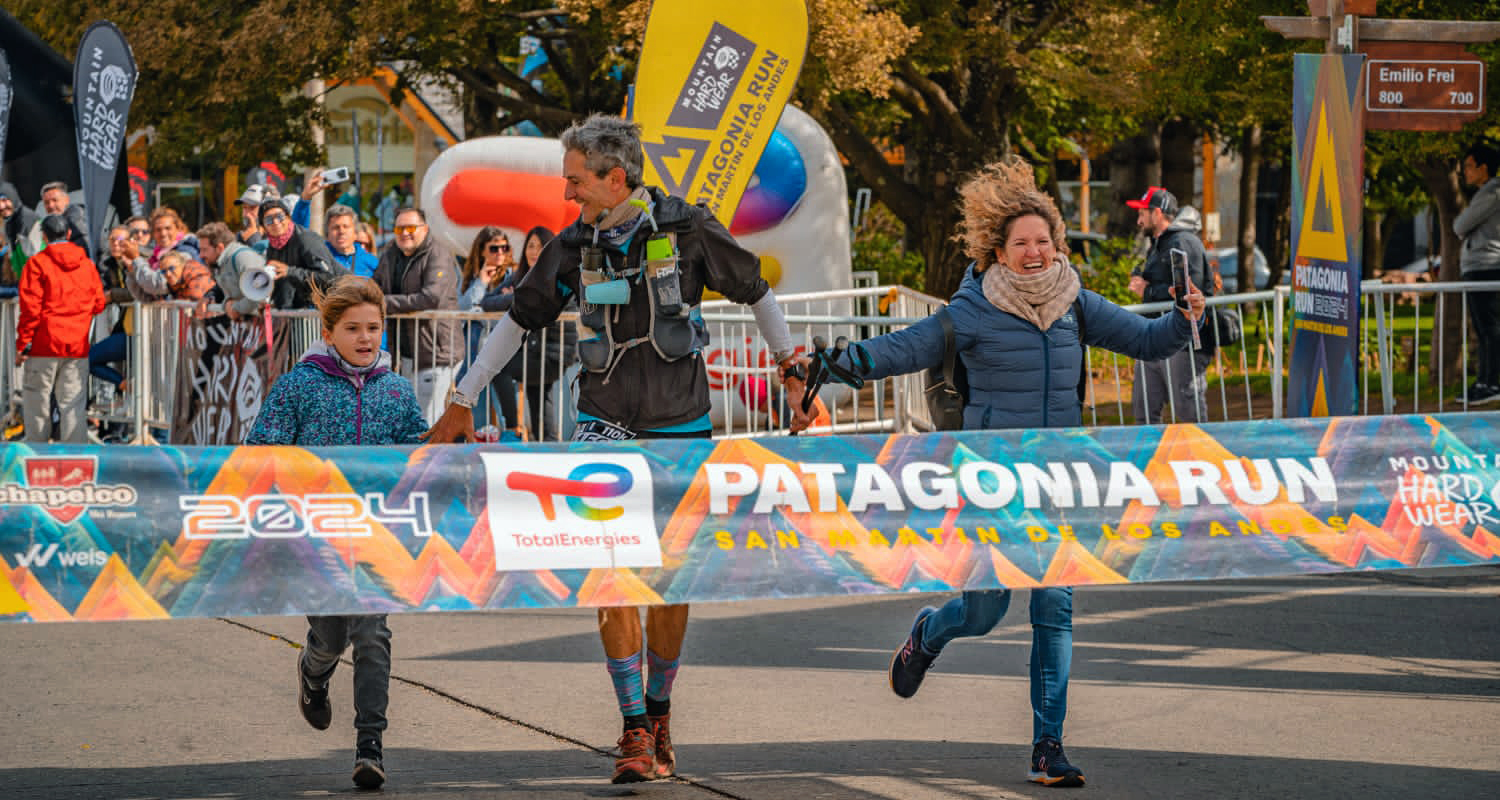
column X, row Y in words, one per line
column 554, row 511
column 65, row 487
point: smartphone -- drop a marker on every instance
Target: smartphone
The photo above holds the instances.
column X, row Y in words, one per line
column 335, row 175
column 1180, row 276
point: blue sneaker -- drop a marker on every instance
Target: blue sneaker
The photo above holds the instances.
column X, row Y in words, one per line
column 1050, row 767
column 910, row 665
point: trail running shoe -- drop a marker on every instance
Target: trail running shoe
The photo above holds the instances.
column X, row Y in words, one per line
column 637, row 757
column 666, row 759
column 910, row 665
column 1050, row 767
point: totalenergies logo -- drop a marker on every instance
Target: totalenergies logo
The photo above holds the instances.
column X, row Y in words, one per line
column 570, row 510
column 577, row 487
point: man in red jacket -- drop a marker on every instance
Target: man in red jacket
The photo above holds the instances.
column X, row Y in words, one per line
column 60, row 294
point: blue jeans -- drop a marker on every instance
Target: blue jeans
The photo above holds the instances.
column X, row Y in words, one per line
column 109, row 350
column 977, row 613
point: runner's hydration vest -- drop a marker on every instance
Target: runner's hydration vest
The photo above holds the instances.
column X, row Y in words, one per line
column 675, row 329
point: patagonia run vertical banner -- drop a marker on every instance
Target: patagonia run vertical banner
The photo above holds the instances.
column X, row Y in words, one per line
column 103, row 86
column 1327, row 234
column 713, row 79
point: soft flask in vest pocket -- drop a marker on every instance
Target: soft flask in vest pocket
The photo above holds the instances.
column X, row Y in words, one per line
column 593, row 353
column 591, row 274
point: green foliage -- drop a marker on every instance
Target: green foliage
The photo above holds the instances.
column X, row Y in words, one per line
column 1109, row 271
column 878, row 247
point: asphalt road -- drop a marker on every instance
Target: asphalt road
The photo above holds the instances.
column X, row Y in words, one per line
column 1379, row 685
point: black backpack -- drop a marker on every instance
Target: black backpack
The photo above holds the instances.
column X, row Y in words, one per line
column 948, row 385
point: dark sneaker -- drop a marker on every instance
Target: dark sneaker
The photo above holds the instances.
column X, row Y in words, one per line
column 1050, row 767
column 910, row 665
column 666, row 759
column 1482, row 395
column 313, row 703
column 637, row 757
column 369, row 771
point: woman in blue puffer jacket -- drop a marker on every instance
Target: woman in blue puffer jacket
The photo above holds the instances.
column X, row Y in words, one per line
column 1016, row 330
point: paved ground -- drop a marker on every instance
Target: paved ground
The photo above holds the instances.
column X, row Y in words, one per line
column 1369, row 686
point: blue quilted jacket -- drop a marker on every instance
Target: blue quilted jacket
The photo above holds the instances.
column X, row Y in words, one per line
column 1019, row 376
column 317, row 403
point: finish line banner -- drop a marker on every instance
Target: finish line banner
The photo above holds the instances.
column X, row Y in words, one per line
column 159, row 532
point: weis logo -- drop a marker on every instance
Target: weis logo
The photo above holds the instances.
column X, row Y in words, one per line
column 64, row 487
column 555, row 511
column 39, row 557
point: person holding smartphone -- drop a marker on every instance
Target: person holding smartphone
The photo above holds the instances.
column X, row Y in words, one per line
column 1174, row 387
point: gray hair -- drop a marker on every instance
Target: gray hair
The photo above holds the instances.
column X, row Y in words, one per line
column 339, row 210
column 55, row 185
column 607, row 142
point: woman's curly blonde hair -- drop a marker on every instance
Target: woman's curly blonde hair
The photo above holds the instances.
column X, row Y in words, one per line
column 997, row 196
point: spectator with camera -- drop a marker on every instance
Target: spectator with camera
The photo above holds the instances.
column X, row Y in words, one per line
column 297, row 256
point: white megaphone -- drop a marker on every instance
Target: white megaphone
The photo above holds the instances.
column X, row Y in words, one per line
column 256, row 284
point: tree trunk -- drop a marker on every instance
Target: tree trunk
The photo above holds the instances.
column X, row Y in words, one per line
column 1179, row 160
column 1441, row 180
column 1134, row 165
column 1372, row 248
column 480, row 115
column 1249, row 190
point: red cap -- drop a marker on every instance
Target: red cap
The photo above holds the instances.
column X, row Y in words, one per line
column 1156, row 197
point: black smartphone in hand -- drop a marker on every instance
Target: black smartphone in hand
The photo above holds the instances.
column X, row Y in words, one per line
column 1180, row 276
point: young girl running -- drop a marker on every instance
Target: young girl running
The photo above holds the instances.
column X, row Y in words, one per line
column 343, row 392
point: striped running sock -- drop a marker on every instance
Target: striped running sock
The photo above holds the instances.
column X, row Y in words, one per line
column 626, row 674
column 661, row 675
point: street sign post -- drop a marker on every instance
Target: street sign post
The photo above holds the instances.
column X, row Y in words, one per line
column 1417, row 86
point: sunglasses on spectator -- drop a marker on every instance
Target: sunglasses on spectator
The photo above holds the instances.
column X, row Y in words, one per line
column 272, row 217
column 140, row 231
column 406, row 229
column 499, row 248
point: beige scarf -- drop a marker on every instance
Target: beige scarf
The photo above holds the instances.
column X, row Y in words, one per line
column 1039, row 299
column 625, row 211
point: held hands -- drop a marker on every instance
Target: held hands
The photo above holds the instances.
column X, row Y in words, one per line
column 1137, row 286
column 793, row 379
column 1195, row 301
column 278, row 268
column 455, row 426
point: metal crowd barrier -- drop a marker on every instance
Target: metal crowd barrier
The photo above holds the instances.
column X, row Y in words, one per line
column 1246, row 380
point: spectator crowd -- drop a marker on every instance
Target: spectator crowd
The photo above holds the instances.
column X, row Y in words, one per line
column 268, row 258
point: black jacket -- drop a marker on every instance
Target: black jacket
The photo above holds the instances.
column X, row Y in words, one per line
column 307, row 260
column 423, row 281
column 1157, row 269
column 644, row 392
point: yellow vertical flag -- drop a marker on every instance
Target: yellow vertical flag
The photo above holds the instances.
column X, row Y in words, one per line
column 712, row 81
